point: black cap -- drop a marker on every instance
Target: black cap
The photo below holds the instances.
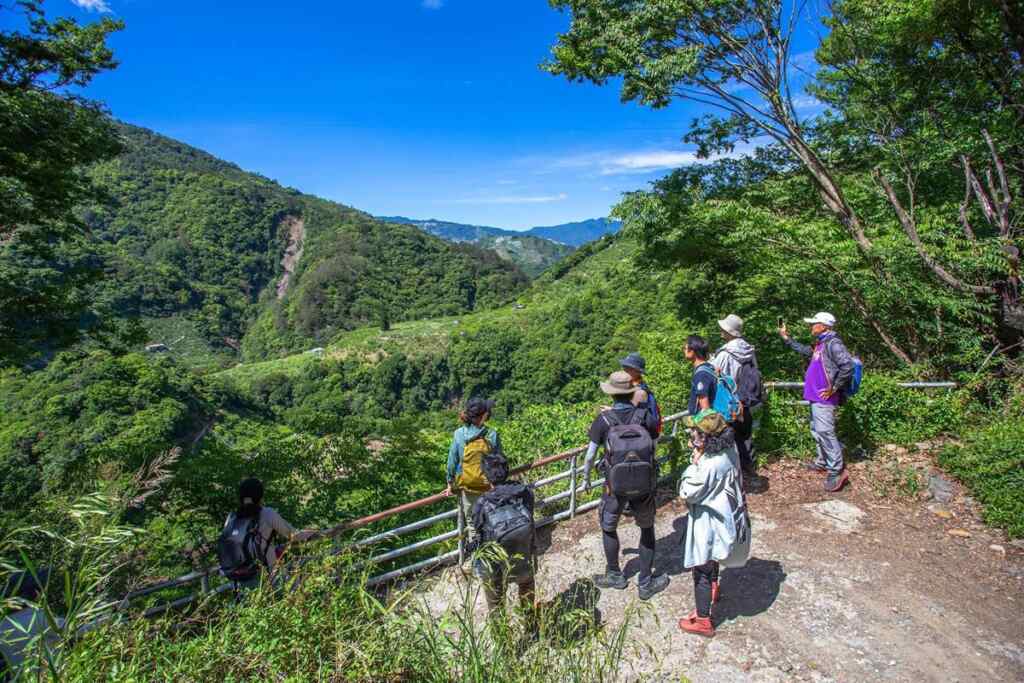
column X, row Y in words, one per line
column 475, row 407
column 495, row 468
column 250, row 491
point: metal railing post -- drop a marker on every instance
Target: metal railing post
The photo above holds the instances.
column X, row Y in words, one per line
column 462, row 527
column 204, row 584
column 572, row 486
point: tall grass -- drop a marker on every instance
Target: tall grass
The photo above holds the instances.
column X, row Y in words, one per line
column 322, row 625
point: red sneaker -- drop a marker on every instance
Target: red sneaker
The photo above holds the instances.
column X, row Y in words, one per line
column 834, row 482
column 714, row 592
column 700, row 626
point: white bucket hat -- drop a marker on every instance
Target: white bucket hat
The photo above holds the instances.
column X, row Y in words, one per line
column 732, row 324
column 823, row 318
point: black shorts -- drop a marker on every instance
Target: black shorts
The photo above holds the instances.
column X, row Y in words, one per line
column 611, row 508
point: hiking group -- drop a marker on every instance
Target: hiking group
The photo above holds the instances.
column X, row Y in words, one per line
column 726, row 395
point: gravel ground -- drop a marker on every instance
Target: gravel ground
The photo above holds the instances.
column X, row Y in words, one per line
column 862, row 585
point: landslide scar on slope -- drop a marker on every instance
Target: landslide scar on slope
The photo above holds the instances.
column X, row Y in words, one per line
column 293, row 252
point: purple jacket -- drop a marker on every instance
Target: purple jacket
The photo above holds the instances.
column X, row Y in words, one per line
column 836, row 358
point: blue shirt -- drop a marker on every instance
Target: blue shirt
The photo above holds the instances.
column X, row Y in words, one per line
column 704, row 384
column 460, row 438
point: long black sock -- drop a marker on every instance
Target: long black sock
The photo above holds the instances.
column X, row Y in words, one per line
column 646, row 554
column 702, row 588
column 611, row 550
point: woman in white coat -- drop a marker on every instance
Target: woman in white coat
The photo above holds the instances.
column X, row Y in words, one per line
column 718, row 532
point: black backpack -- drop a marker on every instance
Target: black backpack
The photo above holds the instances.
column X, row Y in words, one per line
column 749, row 384
column 629, row 456
column 240, row 548
column 509, row 523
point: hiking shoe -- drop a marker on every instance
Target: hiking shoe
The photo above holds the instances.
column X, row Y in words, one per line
column 815, row 467
column 653, row 587
column 700, row 626
column 611, row 580
column 715, row 592
column 834, row 482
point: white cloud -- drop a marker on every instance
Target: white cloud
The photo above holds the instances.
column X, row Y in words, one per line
column 509, row 199
column 644, row 161
column 433, row 4
column 807, row 102
column 92, row 5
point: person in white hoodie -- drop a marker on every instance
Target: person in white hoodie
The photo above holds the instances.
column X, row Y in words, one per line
column 738, row 359
column 718, row 532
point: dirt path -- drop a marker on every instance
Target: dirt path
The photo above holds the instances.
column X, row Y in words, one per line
column 847, row 587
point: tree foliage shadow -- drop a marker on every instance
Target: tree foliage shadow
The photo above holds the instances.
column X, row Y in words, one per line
column 572, row 615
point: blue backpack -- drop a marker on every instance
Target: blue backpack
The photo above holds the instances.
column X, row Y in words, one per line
column 858, row 376
column 727, row 400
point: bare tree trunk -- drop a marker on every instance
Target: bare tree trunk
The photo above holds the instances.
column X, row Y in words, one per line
column 829, row 190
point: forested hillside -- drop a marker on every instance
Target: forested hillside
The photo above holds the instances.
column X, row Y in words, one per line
column 197, row 248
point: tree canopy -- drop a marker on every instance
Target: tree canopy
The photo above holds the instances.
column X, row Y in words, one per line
column 49, row 133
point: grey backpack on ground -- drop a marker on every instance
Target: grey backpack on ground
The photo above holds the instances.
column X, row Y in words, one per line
column 508, row 522
column 240, row 548
column 629, row 455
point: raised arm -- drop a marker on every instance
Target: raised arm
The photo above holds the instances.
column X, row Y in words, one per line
column 454, row 455
column 802, row 349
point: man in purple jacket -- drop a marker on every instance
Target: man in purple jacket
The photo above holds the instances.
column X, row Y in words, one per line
column 825, row 383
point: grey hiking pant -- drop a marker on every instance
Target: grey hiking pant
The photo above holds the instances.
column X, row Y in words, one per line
column 823, row 429
column 467, row 500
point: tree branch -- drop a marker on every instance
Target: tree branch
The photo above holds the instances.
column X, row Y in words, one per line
column 1003, row 205
column 858, row 300
column 986, row 204
column 911, row 231
column 965, row 204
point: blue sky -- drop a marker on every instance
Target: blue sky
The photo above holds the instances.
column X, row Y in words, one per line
column 423, row 108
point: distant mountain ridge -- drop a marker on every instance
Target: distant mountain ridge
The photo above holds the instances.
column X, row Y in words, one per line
column 574, row 234
column 533, row 250
column 579, row 233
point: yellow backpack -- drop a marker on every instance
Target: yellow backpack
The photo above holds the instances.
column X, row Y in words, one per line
column 472, row 477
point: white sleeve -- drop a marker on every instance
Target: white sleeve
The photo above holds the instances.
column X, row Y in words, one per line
column 276, row 522
column 588, row 461
column 719, row 360
column 694, row 485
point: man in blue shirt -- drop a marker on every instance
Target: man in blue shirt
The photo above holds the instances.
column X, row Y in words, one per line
column 702, row 387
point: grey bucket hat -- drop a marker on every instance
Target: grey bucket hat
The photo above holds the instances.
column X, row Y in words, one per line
column 732, row 324
column 618, row 383
column 635, row 361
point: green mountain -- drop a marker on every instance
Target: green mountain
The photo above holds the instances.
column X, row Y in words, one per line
column 533, row 254
column 217, row 261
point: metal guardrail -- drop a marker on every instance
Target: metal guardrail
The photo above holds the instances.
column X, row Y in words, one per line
column 572, row 493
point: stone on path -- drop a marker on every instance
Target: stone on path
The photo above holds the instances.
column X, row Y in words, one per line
column 941, row 488
column 841, row 515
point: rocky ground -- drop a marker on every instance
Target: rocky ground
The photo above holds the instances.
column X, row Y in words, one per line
column 894, row 578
